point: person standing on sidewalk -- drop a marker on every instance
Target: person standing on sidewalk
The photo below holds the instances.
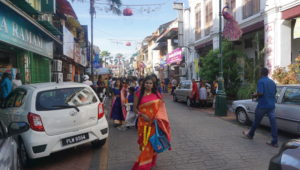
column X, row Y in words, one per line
column 174, row 85
column 149, row 106
column 266, row 91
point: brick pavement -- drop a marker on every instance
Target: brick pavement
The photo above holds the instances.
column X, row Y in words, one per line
column 199, row 141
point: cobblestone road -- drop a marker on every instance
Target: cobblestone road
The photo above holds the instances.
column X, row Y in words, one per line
column 199, row 141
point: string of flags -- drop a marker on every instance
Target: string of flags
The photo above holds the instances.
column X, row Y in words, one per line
column 129, row 10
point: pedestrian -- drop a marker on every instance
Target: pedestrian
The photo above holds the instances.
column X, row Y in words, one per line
column 156, row 82
column 214, row 92
column 17, row 81
column 100, row 88
column 149, row 106
column 174, row 85
column 266, row 92
column 195, row 92
column 116, row 113
column 5, row 87
column 86, row 80
column 203, row 95
column 166, row 83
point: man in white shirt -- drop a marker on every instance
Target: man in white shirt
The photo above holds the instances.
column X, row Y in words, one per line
column 87, row 81
column 174, row 84
column 17, row 82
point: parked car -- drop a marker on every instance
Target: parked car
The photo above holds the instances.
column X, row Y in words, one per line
column 9, row 158
column 184, row 90
column 288, row 157
column 60, row 116
column 287, row 109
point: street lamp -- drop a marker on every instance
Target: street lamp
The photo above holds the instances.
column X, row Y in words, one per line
column 221, row 105
column 92, row 12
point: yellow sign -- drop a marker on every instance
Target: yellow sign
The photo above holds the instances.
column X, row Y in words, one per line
column 297, row 29
column 196, row 65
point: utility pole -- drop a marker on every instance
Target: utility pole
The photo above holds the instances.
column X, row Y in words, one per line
column 92, row 12
column 221, row 105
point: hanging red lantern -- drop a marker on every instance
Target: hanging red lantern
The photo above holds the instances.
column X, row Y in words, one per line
column 128, row 44
column 127, row 12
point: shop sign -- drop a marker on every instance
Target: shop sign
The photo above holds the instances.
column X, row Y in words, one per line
column 17, row 31
column 69, row 43
column 175, row 56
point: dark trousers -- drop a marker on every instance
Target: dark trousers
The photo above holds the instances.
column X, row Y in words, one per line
column 259, row 114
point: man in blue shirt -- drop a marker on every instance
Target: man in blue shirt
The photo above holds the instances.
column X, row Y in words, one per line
column 266, row 91
column 5, row 86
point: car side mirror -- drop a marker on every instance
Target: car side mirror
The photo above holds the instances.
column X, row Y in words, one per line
column 15, row 128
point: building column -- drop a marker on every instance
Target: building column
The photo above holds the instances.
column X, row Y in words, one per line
column 169, row 45
column 284, row 43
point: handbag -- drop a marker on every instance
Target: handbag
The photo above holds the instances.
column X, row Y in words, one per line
column 159, row 140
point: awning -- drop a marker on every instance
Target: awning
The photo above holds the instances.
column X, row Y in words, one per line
column 253, row 27
column 160, row 45
column 170, row 33
column 50, row 27
column 64, row 7
column 25, row 6
column 291, row 13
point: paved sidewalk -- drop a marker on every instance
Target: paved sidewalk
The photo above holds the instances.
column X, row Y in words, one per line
column 200, row 140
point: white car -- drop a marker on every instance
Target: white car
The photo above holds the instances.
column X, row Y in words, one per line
column 60, row 116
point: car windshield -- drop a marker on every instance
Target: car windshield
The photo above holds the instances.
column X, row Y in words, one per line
column 64, row 98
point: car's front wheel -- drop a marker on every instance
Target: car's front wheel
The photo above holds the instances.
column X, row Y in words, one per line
column 98, row 143
column 23, row 156
column 242, row 117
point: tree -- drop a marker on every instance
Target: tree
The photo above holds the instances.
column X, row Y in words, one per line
column 104, row 55
column 231, row 62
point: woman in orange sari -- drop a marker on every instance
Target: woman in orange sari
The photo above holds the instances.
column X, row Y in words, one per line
column 149, row 105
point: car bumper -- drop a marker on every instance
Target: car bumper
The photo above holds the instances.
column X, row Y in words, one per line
column 54, row 143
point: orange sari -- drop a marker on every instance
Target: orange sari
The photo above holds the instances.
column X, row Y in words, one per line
column 154, row 107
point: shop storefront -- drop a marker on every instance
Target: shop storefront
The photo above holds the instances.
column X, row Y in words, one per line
column 24, row 48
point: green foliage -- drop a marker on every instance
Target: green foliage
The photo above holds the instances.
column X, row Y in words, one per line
column 209, row 69
column 245, row 91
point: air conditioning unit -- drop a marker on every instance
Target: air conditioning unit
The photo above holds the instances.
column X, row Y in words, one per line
column 69, row 77
column 57, row 65
column 182, row 71
column 58, row 77
column 70, row 68
column 46, row 17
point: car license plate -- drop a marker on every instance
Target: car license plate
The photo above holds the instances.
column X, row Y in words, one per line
column 75, row 139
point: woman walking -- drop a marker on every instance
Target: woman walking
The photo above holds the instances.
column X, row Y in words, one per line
column 116, row 110
column 149, row 105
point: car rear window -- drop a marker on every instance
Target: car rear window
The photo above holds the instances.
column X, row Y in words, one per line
column 58, row 98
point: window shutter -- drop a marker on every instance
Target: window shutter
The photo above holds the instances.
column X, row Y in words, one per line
column 48, row 6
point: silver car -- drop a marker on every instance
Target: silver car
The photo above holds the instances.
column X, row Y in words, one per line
column 9, row 158
column 287, row 109
column 184, row 90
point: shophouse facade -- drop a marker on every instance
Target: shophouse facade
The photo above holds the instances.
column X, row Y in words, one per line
column 26, row 46
column 269, row 31
column 32, row 41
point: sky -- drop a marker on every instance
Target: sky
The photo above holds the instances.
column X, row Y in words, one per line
column 112, row 32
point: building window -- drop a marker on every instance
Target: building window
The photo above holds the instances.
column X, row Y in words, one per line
column 36, row 4
column 198, row 21
column 208, row 16
column 250, row 7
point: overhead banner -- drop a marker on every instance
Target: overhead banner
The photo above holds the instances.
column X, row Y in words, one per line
column 175, row 56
